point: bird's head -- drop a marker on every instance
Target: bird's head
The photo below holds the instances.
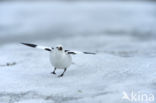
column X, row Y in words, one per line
column 59, row 47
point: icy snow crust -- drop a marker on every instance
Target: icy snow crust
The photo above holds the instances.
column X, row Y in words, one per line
column 125, row 59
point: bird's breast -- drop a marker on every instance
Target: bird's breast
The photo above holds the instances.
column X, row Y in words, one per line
column 59, row 60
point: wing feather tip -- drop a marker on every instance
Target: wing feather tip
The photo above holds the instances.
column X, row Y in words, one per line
column 28, row 44
column 89, row 53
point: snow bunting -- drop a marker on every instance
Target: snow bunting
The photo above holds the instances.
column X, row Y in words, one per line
column 59, row 58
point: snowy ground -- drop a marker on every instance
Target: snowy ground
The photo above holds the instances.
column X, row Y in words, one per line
column 122, row 34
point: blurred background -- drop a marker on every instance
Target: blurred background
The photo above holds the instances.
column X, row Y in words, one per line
column 48, row 20
column 110, row 26
column 95, row 24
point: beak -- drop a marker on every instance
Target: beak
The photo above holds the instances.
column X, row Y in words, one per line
column 59, row 48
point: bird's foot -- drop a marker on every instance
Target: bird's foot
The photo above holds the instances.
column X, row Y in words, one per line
column 61, row 75
column 53, row 73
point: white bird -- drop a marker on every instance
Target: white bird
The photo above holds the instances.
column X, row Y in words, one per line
column 59, row 58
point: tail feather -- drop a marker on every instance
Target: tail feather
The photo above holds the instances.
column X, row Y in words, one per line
column 37, row 46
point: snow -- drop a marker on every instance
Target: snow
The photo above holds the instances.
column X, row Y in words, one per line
column 92, row 78
column 125, row 60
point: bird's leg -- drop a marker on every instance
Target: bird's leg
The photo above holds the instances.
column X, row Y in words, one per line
column 63, row 72
column 54, row 71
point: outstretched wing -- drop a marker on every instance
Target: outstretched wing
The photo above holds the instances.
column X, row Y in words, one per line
column 77, row 52
column 37, row 46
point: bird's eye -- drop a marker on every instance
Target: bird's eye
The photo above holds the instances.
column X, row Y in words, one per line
column 60, row 48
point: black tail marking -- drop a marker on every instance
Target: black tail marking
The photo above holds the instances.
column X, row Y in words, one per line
column 31, row 45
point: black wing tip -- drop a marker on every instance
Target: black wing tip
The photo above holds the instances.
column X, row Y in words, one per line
column 28, row 44
column 89, row 53
column 71, row 53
